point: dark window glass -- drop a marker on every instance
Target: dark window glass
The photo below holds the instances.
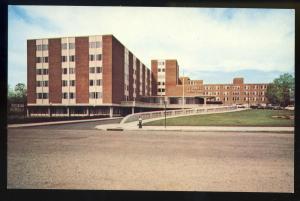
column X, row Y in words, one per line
column 71, row 70
column 98, row 69
column 71, row 95
column 46, row 59
column 65, row 95
column 64, row 58
column 72, row 58
column 65, row 71
column 65, row 83
column 72, row 82
column 92, row 69
column 64, row 46
column 98, row 44
column 91, row 83
column 98, row 57
column 71, row 45
column 91, row 57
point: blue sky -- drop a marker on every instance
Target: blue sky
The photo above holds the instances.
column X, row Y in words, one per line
column 213, row 44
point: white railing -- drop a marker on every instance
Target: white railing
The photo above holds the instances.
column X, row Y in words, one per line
column 169, row 113
column 161, row 105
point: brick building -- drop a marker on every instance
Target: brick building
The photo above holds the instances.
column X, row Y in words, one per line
column 166, row 74
column 83, row 75
column 95, row 75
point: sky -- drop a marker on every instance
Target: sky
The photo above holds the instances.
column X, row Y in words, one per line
column 212, row 44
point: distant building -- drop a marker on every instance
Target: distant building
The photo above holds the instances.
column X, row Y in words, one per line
column 94, row 75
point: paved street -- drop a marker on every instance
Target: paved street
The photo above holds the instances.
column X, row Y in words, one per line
column 150, row 160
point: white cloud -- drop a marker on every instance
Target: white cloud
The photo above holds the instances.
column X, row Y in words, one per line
column 201, row 39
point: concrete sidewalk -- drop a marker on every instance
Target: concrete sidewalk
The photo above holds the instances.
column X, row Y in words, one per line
column 132, row 126
column 59, row 122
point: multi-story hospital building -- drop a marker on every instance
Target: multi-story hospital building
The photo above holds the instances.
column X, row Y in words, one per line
column 98, row 75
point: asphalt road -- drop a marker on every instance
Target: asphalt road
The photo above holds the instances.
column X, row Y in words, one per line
column 132, row 160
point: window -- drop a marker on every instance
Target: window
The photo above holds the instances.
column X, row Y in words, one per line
column 162, row 90
column 163, row 70
column 71, row 70
column 45, row 71
column 72, row 58
column 72, row 82
column 64, row 46
column 45, row 95
column 91, row 57
column 39, row 60
column 98, row 69
column 72, row 95
column 92, row 45
column 98, row 57
column 39, row 71
column 39, row 47
column 46, row 59
column 94, row 95
column 91, row 82
column 159, row 70
column 71, row 45
column 64, row 83
column 65, row 95
column 46, row 83
column 92, row 69
column 163, row 83
column 64, row 58
column 99, row 82
column 65, row 71
column 38, row 83
column 98, row 44
column 45, row 47
column 158, row 83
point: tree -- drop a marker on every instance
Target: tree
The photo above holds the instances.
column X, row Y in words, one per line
column 281, row 90
column 18, row 94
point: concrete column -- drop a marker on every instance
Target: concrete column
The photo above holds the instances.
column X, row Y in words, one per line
column 111, row 111
column 204, row 101
column 68, row 111
column 49, row 111
column 28, row 112
column 88, row 111
column 132, row 110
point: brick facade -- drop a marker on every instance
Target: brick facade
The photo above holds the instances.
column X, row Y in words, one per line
column 55, row 92
column 31, row 72
column 82, row 69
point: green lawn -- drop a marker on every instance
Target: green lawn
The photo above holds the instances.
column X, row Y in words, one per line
column 250, row 117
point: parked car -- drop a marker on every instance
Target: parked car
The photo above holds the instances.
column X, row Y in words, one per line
column 240, row 106
column 260, row 106
column 254, row 106
column 290, row 107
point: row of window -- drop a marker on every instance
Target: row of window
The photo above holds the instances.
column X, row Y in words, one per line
column 41, row 59
column 70, row 95
column 96, row 44
column 42, row 47
column 160, row 83
column 95, row 69
column 245, row 99
column 160, row 90
column 95, row 95
column 42, row 83
column 65, row 58
column 234, row 87
column 161, row 70
column 65, row 70
column 42, row 95
column 96, row 57
column 65, row 83
column 64, row 46
column 96, row 82
column 235, row 93
column 42, row 71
